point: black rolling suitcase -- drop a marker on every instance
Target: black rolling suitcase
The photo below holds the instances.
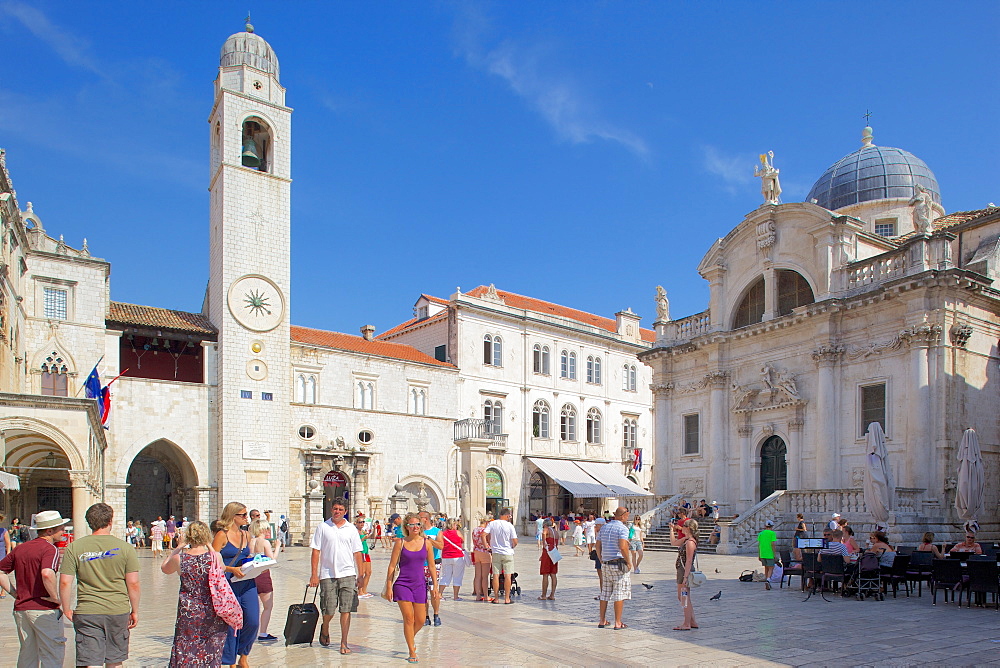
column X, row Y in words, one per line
column 300, row 626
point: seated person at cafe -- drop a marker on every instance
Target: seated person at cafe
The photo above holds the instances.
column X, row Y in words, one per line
column 835, row 547
column 849, row 541
column 879, row 544
column 970, row 545
column 927, row 545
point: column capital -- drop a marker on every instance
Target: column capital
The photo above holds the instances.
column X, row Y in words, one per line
column 828, row 354
column 745, row 431
column 796, row 424
column 78, row 478
column 922, row 335
column 717, row 379
column 662, row 389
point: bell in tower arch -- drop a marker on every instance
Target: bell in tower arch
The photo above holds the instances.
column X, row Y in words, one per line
column 250, row 157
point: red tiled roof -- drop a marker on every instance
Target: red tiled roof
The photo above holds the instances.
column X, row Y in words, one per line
column 539, row 306
column 135, row 315
column 951, row 220
column 359, row 344
column 436, row 300
column 413, row 321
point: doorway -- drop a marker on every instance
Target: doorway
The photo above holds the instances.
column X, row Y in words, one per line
column 773, row 467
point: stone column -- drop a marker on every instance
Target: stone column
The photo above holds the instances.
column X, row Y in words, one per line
column 81, row 501
column 204, row 507
column 313, row 498
column 919, row 453
column 116, row 496
column 770, row 292
column 472, row 458
column 825, row 442
column 745, row 431
column 662, row 440
column 795, row 453
column 715, row 446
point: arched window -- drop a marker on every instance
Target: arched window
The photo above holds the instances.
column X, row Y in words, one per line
column 310, row 393
column 793, row 291
column 593, row 370
column 629, row 378
column 300, row 388
column 257, row 145
column 751, row 308
column 493, row 411
column 540, row 359
column 572, row 366
column 593, row 426
column 55, row 376
column 366, row 395
column 628, row 433
column 493, row 350
column 567, row 365
column 418, row 401
column 567, row 423
column 540, row 419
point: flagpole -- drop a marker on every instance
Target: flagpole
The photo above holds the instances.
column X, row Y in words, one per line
column 77, row 393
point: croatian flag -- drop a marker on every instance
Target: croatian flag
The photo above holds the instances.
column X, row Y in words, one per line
column 637, row 459
column 101, row 394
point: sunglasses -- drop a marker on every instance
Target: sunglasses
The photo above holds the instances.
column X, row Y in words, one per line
column 414, row 525
column 240, row 515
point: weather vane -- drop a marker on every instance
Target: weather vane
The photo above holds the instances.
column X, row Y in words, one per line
column 249, row 26
column 867, row 114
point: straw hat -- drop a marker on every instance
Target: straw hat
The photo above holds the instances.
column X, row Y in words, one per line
column 48, row 519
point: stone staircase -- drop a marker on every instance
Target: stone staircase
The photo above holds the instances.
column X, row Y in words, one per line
column 658, row 540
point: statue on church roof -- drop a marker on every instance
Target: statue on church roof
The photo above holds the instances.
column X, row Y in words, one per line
column 921, row 203
column 662, row 305
column 770, row 187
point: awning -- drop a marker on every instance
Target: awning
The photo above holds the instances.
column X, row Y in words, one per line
column 9, row 481
column 613, row 479
column 572, row 478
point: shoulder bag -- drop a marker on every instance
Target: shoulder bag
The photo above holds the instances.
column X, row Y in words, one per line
column 466, row 555
column 696, row 578
column 223, row 599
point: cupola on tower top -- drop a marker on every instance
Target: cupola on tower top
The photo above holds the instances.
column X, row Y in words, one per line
column 249, row 48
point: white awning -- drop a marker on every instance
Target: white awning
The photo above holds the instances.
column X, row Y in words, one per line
column 9, row 481
column 572, row 478
column 612, row 477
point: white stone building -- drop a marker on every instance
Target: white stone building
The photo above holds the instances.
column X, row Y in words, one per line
column 864, row 304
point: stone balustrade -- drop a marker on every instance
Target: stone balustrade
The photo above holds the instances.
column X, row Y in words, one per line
column 684, row 329
column 657, row 516
column 878, row 269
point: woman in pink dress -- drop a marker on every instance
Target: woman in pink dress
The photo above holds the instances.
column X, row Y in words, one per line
column 548, row 569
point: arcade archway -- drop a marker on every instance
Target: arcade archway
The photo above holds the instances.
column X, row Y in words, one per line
column 160, row 481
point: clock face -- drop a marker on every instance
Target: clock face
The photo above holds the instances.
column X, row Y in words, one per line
column 256, row 303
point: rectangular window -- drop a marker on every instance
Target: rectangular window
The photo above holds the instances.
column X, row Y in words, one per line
column 267, row 396
column 872, row 406
column 885, row 227
column 246, row 394
column 691, row 434
column 441, row 353
column 55, row 303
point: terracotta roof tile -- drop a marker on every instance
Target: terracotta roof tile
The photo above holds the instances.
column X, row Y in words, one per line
column 135, row 315
column 959, row 217
column 540, row 306
column 412, row 321
column 359, row 344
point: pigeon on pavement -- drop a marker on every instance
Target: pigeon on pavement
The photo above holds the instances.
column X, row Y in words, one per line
column 647, row 586
column 717, row 596
column 717, row 570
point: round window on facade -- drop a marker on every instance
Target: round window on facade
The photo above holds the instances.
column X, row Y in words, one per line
column 365, row 436
column 306, row 432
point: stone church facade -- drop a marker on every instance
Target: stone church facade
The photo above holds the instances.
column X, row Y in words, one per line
column 864, row 304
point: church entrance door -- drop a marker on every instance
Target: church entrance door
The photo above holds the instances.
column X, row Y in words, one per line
column 773, row 467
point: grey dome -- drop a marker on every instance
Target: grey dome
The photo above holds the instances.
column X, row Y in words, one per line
column 872, row 173
column 247, row 48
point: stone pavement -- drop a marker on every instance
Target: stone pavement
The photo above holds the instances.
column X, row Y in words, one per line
column 747, row 627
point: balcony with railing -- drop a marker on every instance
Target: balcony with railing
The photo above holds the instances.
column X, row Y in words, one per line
column 486, row 430
column 685, row 329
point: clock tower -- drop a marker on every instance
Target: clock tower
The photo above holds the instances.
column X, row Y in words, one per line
column 247, row 300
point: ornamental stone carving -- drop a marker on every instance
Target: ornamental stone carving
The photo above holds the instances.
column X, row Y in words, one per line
column 796, row 424
column 828, row 353
column 662, row 305
column 767, row 235
column 776, row 389
column 767, row 430
column 662, row 389
column 960, row 335
column 692, row 486
column 858, row 476
column 770, row 186
column 922, row 334
column 745, row 431
column 717, row 378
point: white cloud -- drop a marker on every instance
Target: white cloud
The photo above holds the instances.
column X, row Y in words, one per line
column 70, row 48
column 557, row 98
column 734, row 171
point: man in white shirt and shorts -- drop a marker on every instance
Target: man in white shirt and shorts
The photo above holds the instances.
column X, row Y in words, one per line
column 500, row 537
column 336, row 562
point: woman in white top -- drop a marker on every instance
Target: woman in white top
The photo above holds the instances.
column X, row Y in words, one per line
column 635, row 538
column 588, row 531
column 578, row 540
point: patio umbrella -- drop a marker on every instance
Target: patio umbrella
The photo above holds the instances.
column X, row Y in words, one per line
column 971, row 479
column 879, row 485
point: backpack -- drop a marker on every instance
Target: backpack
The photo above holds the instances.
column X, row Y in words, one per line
column 284, row 526
column 747, row 576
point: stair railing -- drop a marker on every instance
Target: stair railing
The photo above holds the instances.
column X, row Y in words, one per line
column 656, row 517
column 739, row 535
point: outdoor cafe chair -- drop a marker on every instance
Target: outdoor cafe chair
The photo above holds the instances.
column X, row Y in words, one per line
column 832, row 569
column 905, row 549
column 919, row 570
column 946, row 575
column 896, row 574
column 984, row 578
column 789, row 570
column 810, row 568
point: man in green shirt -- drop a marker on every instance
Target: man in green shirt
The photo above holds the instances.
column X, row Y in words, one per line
column 106, row 569
column 765, row 541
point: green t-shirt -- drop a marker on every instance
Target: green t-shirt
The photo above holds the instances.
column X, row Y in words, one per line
column 99, row 564
column 364, row 543
column 766, row 540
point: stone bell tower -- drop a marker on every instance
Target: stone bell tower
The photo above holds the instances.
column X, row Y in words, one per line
column 247, row 300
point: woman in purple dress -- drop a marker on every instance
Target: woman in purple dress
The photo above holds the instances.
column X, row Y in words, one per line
column 199, row 634
column 409, row 590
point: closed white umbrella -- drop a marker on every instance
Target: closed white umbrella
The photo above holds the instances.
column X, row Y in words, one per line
column 880, row 489
column 969, row 500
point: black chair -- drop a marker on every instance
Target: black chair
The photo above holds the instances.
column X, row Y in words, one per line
column 788, row 570
column 946, row 575
column 810, row 568
column 905, row 549
column 832, row 568
column 919, row 570
column 961, row 556
column 981, row 557
column 896, row 574
column 984, row 578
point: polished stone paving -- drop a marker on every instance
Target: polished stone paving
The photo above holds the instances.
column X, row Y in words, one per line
column 748, row 626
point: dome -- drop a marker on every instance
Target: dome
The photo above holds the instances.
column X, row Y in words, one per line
column 248, row 48
column 872, row 173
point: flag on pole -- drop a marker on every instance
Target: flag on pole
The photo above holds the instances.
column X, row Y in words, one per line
column 100, row 393
column 637, row 460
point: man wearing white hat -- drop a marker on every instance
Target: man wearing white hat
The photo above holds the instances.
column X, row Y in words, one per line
column 833, row 522
column 36, row 608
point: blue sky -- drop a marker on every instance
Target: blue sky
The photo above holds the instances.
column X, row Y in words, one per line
column 578, row 152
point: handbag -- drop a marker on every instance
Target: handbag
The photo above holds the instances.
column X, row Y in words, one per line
column 696, row 578
column 554, row 555
column 466, row 555
column 223, row 599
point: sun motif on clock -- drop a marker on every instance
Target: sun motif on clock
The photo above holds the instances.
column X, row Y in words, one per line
column 256, row 303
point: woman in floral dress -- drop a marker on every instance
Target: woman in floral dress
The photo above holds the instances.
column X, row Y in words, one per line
column 200, row 634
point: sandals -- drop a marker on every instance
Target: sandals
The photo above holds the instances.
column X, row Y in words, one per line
column 412, row 659
column 603, row 624
column 344, row 649
column 619, row 628
column 682, row 628
column 324, row 639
